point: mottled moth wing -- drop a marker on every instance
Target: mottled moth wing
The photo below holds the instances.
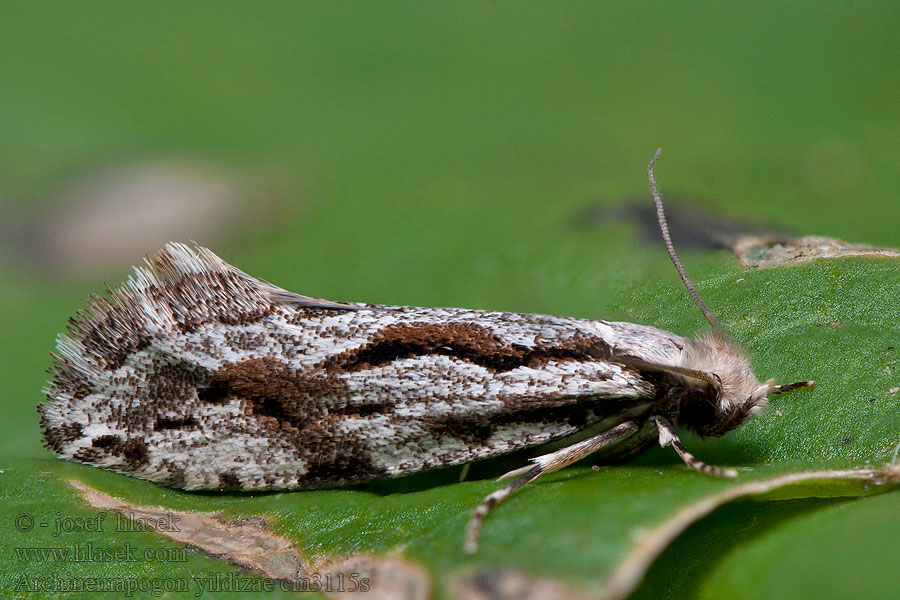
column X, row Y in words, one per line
column 196, row 375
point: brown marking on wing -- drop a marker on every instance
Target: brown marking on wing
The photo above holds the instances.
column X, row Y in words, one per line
column 133, row 451
column 56, row 438
column 229, row 481
column 465, row 341
column 175, row 475
column 304, row 411
column 295, row 399
column 174, row 423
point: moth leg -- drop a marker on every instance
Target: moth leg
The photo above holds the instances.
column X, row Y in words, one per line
column 669, row 437
column 515, row 472
column 543, row 464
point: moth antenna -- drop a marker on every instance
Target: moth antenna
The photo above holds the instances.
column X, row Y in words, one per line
column 670, row 248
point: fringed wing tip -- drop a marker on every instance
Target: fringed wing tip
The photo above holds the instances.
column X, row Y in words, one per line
column 177, row 260
column 180, row 286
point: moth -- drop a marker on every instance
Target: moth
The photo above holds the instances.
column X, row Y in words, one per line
column 195, row 375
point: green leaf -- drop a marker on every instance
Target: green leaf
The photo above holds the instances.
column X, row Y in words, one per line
column 835, row 548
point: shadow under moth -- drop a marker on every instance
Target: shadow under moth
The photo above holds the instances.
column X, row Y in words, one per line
column 196, row 375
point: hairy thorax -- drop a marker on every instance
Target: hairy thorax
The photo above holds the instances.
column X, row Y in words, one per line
column 711, row 410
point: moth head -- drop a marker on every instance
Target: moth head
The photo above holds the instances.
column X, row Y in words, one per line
column 720, row 389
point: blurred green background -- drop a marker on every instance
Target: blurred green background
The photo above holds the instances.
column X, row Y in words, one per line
column 445, row 154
